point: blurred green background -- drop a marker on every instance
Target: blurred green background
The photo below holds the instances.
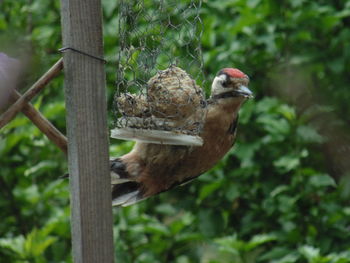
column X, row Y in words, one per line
column 280, row 195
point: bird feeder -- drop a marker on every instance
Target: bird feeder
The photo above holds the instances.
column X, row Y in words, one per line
column 170, row 110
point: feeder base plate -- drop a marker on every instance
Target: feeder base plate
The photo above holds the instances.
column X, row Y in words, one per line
column 156, row 136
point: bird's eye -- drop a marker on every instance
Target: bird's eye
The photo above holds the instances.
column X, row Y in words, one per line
column 226, row 82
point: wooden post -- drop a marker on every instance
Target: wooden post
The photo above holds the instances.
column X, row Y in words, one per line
column 91, row 219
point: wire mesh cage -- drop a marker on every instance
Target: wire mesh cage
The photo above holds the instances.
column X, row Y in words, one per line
column 159, row 61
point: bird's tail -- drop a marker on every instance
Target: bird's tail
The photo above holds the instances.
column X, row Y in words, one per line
column 125, row 189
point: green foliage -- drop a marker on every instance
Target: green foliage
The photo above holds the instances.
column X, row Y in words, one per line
column 271, row 199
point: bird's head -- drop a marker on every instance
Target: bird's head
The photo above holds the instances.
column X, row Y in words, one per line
column 231, row 82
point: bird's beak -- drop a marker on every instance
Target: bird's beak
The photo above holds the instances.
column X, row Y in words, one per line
column 245, row 92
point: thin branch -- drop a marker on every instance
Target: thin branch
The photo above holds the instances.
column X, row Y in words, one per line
column 44, row 125
column 29, row 94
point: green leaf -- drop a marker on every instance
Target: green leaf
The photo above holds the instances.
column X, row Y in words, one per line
column 230, row 244
column 310, row 253
column 15, row 244
column 42, row 167
column 232, row 192
column 279, row 189
column 157, row 228
column 322, row 180
column 275, row 253
column 261, row 239
column 309, row 134
column 287, row 163
column 289, row 258
column 37, row 242
column 210, row 222
column 208, row 189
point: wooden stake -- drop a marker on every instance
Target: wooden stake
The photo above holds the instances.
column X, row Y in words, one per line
column 44, row 125
column 8, row 115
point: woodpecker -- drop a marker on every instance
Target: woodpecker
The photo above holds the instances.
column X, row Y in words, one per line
column 150, row 169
